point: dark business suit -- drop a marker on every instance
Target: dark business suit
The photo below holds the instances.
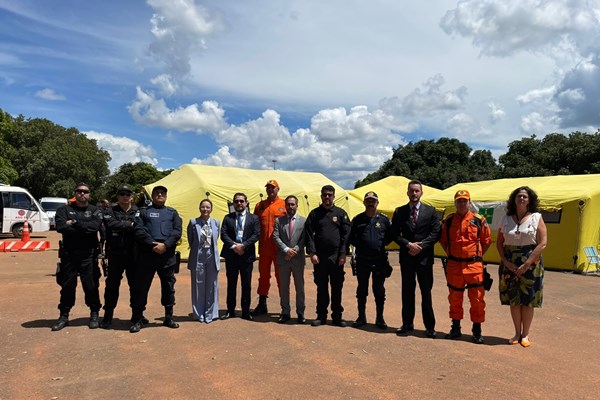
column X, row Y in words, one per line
column 239, row 264
column 426, row 231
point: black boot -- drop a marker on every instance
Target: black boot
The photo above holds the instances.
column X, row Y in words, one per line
column 107, row 320
column 477, row 338
column 169, row 321
column 361, row 320
column 94, row 320
column 63, row 321
column 455, row 331
column 379, row 321
column 261, row 308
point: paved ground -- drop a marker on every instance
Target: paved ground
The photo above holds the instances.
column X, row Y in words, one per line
column 237, row 359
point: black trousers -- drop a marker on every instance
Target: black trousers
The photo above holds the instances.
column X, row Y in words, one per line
column 364, row 270
column 148, row 265
column 327, row 272
column 85, row 264
column 235, row 267
column 117, row 264
column 424, row 275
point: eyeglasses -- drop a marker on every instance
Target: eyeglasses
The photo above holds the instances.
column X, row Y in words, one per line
column 81, row 191
column 124, row 194
column 239, row 201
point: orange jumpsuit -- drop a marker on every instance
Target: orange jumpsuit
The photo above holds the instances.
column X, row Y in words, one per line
column 463, row 243
column 268, row 211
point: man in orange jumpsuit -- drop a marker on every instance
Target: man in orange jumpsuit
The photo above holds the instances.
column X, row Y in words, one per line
column 268, row 211
column 465, row 238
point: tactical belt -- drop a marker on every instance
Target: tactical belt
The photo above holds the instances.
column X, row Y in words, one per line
column 470, row 259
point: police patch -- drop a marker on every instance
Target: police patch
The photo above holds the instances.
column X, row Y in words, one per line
column 87, row 214
column 334, row 219
column 153, row 215
column 377, row 225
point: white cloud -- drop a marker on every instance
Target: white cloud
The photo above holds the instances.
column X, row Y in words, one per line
column 122, row 149
column 496, row 113
column 578, row 95
column 180, row 27
column 503, row 27
column 49, row 94
column 146, row 109
column 533, row 124
column 166, row 84
column 535, row 95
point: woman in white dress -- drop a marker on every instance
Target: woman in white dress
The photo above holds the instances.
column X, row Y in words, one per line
column 204, row 263
column 522, row 236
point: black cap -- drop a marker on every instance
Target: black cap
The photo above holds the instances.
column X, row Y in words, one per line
column 159, row 187
column 124, row 188
column 371, row 195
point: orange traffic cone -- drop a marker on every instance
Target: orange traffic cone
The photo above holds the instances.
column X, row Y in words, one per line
column 25, row 237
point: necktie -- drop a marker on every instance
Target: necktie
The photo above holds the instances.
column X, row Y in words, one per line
column 414, row 215
column 291, row 226
column 239, row 227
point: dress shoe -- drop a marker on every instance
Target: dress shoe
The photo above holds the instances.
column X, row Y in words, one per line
column 339, row 322
column 63, row 321
column 106, row 322
column 94, row 320
column 228, row 314
column 319, row 322
column 170, row 322
column 360, row 321
column 284, row 318
column 404, row 329
column 380, row 323
column 247, row 316
column 301, row 320
column 430, row 333
column 135, row 328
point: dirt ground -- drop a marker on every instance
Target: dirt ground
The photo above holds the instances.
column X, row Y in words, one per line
column 237, row 359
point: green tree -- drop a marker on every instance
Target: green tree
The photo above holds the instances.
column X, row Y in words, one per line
column 440, row 163
column 135, row 175
column 51, row 159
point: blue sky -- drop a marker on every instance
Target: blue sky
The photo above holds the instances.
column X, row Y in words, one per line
column 330, row 87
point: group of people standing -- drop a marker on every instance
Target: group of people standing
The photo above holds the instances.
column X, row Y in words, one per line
column 142, row 242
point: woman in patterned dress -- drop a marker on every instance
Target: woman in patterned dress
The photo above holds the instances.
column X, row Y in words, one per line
column 522, row 236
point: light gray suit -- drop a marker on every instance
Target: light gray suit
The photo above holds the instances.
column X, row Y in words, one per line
column 294, row 266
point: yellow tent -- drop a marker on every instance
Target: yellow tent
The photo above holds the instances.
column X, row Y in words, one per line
column 391, row 192
column 570, row 205
column 191, row 183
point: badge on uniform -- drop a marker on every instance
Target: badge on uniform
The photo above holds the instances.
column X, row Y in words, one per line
column 334, row 219
column 154, row 215
column 87, row 214
column 378, row 225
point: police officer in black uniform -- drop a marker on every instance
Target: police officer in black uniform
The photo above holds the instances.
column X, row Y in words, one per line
column 79, row 223
column 371, row 231
column 157, row 231
column 327, row 228
column 120, row 246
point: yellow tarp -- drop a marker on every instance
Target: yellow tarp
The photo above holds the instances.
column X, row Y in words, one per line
column 571, row 205
column 191, row 183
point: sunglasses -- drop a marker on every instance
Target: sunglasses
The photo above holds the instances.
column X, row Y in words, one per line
column 239, row 201
column 80, row 191
column 124, row 194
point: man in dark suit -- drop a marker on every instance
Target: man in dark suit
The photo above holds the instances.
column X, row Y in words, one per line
column 239, row 232
column 416, row 228
column 288, row 236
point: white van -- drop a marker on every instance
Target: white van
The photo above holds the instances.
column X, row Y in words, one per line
column 16, row 206
column 50, row 205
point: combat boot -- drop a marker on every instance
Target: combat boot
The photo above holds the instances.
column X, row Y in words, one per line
column 94, row 320
column 455, row 331
column 379, row 321
column 107, row 320
column 360, row 321
column 477, row 338
column 63, row 321
column 261, row 308
column 169, row 321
